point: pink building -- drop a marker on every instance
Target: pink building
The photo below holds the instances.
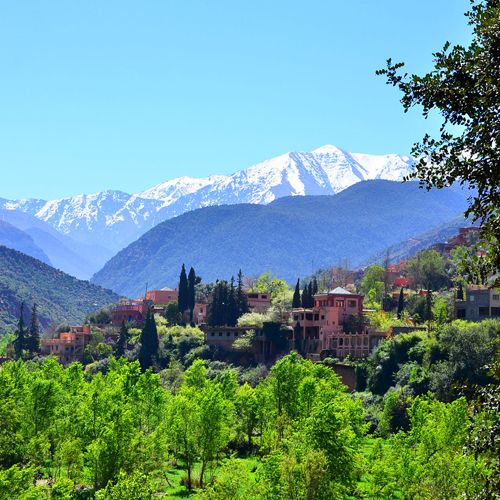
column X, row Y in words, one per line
column 334, row 326
column 130, row 311
column 258, row 302
column 163, row 296
column 68, row 346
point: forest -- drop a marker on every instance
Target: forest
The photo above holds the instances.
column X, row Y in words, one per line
column 425, row 426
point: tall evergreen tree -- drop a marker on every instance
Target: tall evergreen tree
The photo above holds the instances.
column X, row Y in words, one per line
column 241, row 297
column 314, row 287
column 20, row 340
column 183, row 292
column 33, row 340
column 401, row 303
column 121, row 345
column 460, row 292
column 149, row 342
column 310, row 298
column 191, row 293
column 232, row 306
column 304, row 299
column 428, row 308
column 296, row 295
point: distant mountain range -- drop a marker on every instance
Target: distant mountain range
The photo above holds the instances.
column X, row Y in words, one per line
column 290, row 237
column 97, row 226
column 60, row 298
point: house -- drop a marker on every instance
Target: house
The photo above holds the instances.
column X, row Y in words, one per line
column 268, row 341
column 480, row 302
column 69, row 346
column 162, row 296
column 258, row 302
column 130, row 311
column 334, row 327
column 200, row 313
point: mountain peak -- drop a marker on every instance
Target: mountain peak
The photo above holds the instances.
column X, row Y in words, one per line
column 328, row 149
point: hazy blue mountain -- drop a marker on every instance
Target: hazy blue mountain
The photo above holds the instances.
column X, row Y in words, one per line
column 13, row 237
column 64, row 253
column 60, row 298
column 290, row 236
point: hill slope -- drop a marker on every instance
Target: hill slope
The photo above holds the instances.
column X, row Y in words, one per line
column 289, row 236
column 59, row 297
column 113, row 219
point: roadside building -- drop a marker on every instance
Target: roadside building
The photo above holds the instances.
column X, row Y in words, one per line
column 130, row 311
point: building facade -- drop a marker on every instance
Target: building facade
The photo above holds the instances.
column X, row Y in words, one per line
column 334, row 327
column 69, row 346
column 480, row 303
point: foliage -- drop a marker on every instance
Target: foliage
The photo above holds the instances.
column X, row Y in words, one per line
column 463, row 88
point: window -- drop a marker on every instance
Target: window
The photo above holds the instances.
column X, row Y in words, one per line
column 339, row 303
column 235, row 334
column 252, row 296
column 228, row 334
column 471, row 297
column 352, row 303
column 496, row 296
column 264, row 296
column 484, row 311
column 295, row 317
column 495, row 311
column 341, row 341
column 322, row 316
column 213, row 334
column 316, row 317
column 220, row 334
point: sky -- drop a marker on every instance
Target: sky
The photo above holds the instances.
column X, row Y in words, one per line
column 122, row 94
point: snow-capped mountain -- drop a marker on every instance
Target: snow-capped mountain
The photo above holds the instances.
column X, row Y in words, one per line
column 113, row 219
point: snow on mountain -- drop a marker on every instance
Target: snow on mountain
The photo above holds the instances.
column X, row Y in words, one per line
column 113, row 219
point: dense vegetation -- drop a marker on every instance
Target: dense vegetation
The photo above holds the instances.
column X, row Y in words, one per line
column 123, row 433
column 60, row 298
column 282, row 237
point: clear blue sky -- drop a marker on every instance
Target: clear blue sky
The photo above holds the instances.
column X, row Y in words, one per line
column 117, row 94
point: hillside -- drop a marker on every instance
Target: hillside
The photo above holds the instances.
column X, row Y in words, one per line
column 289, row 236
column 410, row 247
column 60, row 298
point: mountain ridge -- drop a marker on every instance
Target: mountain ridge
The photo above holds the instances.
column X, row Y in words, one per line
column 283, row 236
column 112, row 219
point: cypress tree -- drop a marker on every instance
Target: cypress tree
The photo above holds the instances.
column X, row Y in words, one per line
column 33, row 340
column 191, row 293
column 428, row 308
column 241, row 297
column 401, row 303
column 232, row 305
column 121, row 345
column 314, row 287
column 183, row 292
column 149, row 342
column 460, row 292
column 310, row 298
column 20, row 340
column 305, row 299
column 296, row 295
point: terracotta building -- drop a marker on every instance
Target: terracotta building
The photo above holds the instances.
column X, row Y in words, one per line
column 258, row 302
column 334, row 327
column 130, row 311
column 163, row 296
column 68, row 346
